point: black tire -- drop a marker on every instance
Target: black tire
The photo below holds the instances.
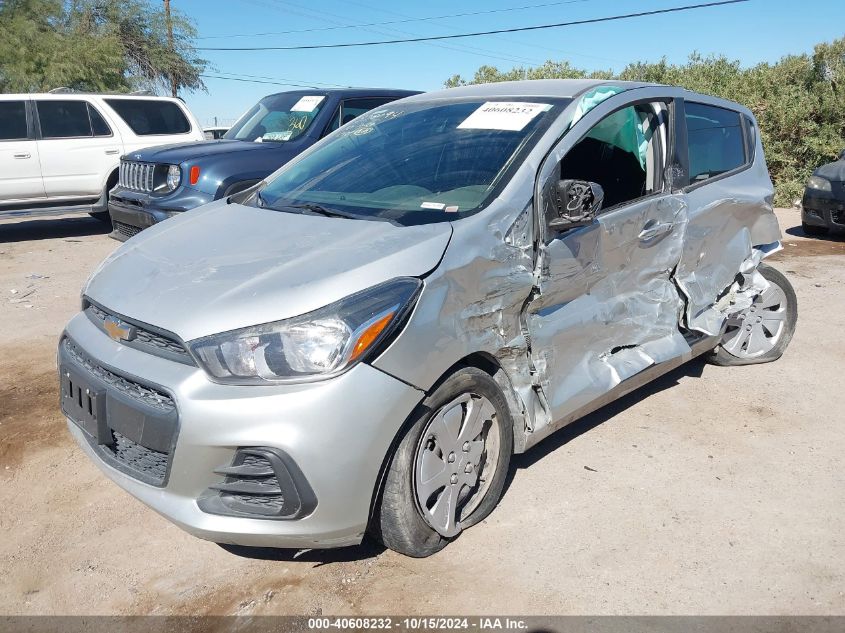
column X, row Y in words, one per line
column 810, row 229
column 721, row 357
column 398, row 523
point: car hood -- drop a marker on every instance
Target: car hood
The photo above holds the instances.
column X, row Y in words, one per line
column 180, row 152
column 835, row 171
column 225, row 266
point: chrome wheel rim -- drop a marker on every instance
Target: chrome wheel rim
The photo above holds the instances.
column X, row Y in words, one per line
column 758, row 329
column 455, row 461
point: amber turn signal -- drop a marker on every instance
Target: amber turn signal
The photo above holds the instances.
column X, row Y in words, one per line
column 370, row 334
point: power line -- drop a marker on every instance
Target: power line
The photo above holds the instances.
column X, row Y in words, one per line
column 479, row 33
column 404, row 21
column 292, row 82
column 324, row 16
column 260, row 81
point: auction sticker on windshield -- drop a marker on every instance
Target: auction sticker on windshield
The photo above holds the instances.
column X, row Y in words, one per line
column 503, row 115
column 307, row 104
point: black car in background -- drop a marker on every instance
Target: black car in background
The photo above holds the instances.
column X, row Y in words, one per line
column 823, row 204
column 158, row 182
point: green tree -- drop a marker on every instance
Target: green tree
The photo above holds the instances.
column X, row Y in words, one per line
column 96, row 45
column 799, row 102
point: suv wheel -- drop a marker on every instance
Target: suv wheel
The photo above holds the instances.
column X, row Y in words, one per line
column 449, row 469
column 760, row 333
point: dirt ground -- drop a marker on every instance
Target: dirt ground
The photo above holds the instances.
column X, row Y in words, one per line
column 711, row 491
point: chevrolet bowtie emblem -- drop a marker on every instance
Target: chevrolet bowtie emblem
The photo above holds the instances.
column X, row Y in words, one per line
column 118, row 330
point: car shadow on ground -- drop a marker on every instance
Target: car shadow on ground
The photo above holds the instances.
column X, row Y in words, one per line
column 563, row 436
column 51, row 228
column 797, row 231
column 370, row 548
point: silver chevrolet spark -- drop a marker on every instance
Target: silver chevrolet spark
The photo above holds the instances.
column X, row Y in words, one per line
column 361, row 342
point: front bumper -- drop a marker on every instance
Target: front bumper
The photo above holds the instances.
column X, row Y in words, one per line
column 826, row 211
column 133, row 211
column 338, row 432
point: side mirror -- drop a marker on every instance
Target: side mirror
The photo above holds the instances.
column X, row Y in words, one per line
column 573, row 203
column 842, row 155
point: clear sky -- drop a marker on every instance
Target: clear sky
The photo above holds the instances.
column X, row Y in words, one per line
column 759, row 30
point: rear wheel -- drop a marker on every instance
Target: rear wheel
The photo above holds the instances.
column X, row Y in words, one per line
column 449, row 469
column 761, row 333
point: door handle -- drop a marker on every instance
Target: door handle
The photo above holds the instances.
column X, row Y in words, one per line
column 654, row 229
column 23, row 155
column 111, row 152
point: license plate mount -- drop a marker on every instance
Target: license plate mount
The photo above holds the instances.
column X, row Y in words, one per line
column 84, row 404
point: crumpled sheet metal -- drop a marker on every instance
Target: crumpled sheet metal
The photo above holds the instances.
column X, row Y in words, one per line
column 720, row 244
column 608, row 307
column 473, row 304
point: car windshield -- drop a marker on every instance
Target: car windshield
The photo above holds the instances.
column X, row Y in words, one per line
column 412, row 163
column 277, row 118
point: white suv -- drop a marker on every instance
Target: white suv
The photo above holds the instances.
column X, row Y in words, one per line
column 60, row 152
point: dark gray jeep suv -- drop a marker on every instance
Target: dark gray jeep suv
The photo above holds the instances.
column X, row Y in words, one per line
column 158, row 182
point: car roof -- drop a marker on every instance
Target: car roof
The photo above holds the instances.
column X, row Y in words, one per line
column 549, row 88
column 349, row 92
column 83, row 95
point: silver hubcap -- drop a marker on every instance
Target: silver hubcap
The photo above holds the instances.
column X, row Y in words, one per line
column 455, row 462
column 756, row 330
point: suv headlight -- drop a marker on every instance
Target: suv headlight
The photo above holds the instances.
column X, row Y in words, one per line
column 174, row 177
column 819, row 183
column 314, row 346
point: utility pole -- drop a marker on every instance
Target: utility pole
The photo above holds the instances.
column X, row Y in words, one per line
column 169, row 21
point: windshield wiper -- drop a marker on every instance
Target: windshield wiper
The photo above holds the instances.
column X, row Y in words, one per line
column 317, row 209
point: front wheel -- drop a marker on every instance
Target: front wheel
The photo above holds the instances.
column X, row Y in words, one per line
column 760, row 333
column 449, row 469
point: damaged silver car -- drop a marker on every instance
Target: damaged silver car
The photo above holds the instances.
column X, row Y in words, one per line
column 362, row 341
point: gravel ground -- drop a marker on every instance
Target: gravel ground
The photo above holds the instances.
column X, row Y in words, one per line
column 711, row 491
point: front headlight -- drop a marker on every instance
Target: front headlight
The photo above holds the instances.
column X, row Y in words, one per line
column 174, row 177
column 313, row 346
column 819, row 183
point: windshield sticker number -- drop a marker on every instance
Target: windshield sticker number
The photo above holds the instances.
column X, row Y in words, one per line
column 307, row 104
column 503, row 115
column 438, row 206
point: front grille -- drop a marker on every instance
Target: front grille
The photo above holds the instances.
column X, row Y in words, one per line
column 127, row 230
column 150, row 464
column 136, row 176
column 838, row 217
column 147, row 395
column 146, row 339
column 260, row 482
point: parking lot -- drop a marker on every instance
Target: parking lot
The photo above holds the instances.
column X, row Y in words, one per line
column 711, row 491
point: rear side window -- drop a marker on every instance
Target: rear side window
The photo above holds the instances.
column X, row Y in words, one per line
column 12, row 120
column 715, row 139
column 63, row 119
column 98, row 123
column 147, row 117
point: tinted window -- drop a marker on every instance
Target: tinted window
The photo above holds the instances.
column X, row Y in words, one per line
column 98, row 123
column 716, row 143
column 149, row 116
column 12, row 120
column 63, row 119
